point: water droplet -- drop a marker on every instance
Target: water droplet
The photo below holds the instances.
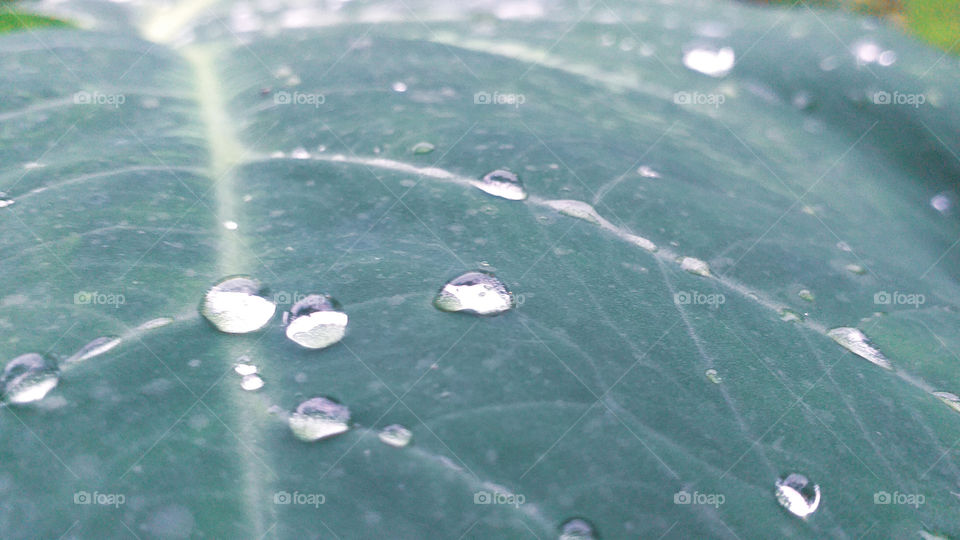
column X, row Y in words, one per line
column 399, row 86
column 423, row 148
column 155, row 323
column 647, row 172
column 395, row 435
column 830, row 63
column 712, row 62
column 805, row 294
column 244, row 368
column 641, row 242
column 952, row 400
column 319, row 418
column 713, row 376
column 695, row 266
column 300, row 153
column 843, row 246
column 315, row 322
column 251, row 382
column 576, row 209
column 94, row 348
column 474, row 292
column 230, row 225
column 789, row 315
column 6, row 202
column 798, row 495
column 866, row 52
column 28, row 378
column 941, row 202
column 236, row 305
column 856, row 342
column 501, row 183
column 856, row 269
column 887, row 58
column 577, row 529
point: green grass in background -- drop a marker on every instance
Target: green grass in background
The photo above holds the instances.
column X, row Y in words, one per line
column 12, row 19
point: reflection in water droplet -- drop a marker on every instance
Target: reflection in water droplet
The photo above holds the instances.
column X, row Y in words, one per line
column 474, row 292
column 501, row 183
column 423, row 148
column 856, row 342
column 319, row 418
column 789, row 315
column 715, row 63
column 941, row 202
column 315, row 322
column 28, row 378
column 952, row 400
column 713, row 376
column 856, row 269
column 94, row 348
column 695, row 266
column 399, row 86
column 798, row 495
column 395, row 435
column 577, row 529
column 251, row 382
column 236, row 305
column 805, row 294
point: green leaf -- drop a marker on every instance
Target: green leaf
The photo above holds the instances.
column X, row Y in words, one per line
column 127, row 145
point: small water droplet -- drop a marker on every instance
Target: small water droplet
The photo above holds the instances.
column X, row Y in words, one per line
column 941, row 202
column 399, row 86
column 713, row 376
column 843, row 246
column 856, row 269
column 395, row 435
column 230, row 225
column 319, row 418
column 695, row 266
column 251, row 382
column 244, row 368
column 474, row 292
column 94, row 348
column 577, row 529
column 576, row 209
column 300, row 153
column 155, row 323
column 236, row 305
column 712, row 62
column 805, row 294
column 887, row 58
column 501, row 183
column 423, row 148
column 6, row 202
column 641, row 242
column 856, row 342
column 952, row 400
column 315, row 322
column 789, row 315
column 647, row 172
column 798, row 495
column 28, row 378
column 866, row 52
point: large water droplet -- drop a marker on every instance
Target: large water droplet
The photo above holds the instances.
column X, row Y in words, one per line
column 856, row 342
column 251, row 382
column 94, row 348
column 28, row 378
column 951, row 399
column 237, row 305
column 423, row 148
column 695, row 266
column 577, row 529
column 315, row 322
column 395, row 435
column 474, row 292
column 502, row 183
column 798, row 495
column 319, row 418
column 715, row 63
